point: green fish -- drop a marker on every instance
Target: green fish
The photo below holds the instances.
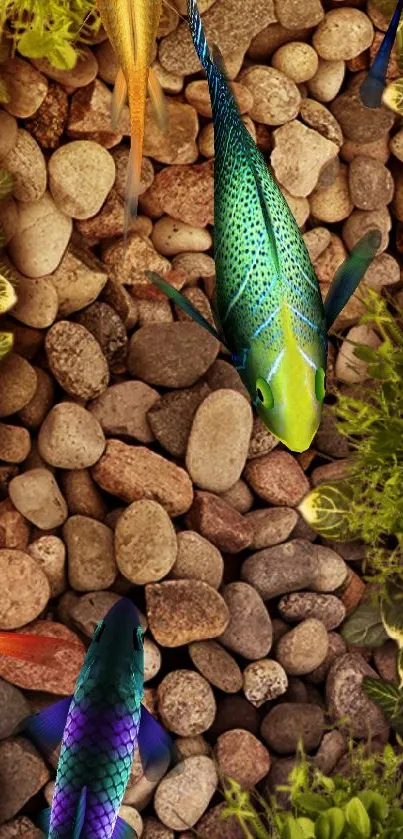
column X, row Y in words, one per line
column 268, row 305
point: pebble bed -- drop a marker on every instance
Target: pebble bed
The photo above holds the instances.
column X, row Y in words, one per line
column 130, row 458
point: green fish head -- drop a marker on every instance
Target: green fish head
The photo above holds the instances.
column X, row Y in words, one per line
column 287, row 390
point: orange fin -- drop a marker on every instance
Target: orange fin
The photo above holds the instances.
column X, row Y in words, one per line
column 37, row 649
column 158, row 100
column 133, row 186
column 118, row 99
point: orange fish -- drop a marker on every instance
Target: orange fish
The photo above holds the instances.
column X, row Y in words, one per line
column 131, row 26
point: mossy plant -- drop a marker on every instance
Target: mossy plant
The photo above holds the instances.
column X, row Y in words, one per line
column 366, row 803
column 51, row 29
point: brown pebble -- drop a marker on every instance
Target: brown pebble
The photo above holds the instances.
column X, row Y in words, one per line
column 219, row 522
column 37, row 497
column 186, row 703
column 171, row 417
column 370, row 183
column 76, row 360
column 288, row 722
column 23, row 773
column 14, row 529
column 277, row 478
column 70, row 437
column 82, row 494
column 188, row 353
column 241, row 756
column 123, row 409
column 145, row 542
column 216, row 665
column 18, row 384
column 90, row 551
column 197, row 559
column 15, row 443
column 181, row 611
column 249, row 631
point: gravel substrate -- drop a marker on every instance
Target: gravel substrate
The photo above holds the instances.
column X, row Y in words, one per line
column 130, row 458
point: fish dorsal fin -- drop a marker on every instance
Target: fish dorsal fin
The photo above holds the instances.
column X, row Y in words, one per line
column 158, row 100
column 350, row 273
column 119, row 98
column 43, row 820
column 46, row 728
column 123, row 830
column 80, row 814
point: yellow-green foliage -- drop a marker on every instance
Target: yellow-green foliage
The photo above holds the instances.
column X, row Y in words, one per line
column 366, row 803
column 7, row 280
column 48, row 28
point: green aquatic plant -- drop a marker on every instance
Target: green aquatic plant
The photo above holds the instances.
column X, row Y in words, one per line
column 49, row 29
column 327, row 808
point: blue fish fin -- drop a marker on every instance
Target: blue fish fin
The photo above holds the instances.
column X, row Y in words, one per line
column 123, row 830
column 183, row 302
column 80, row 814
column 156, row 747
column 349, row 275
column 374, row 83
column 43, row 820
column 46, row 728
column 198, row 36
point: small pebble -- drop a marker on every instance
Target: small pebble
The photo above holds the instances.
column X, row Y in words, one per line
column 281, row 569
column 171, row 417
column 26, row 87
column 325, row 607
column 287, row 723
column 304, row 648
column 219, row 522
column 241, row 756
column 277, row 478
column 122, row 410
column 182, row 611
column 36, row 496
column 264, row 680
column 188, row 353
column 50, row 554
column 216, row 665
column 23, row 773
column 276, row 98
column 59, row 673
column 41, row 237
column 249, row 631
column 343, row 34
column 14, row 708
column 345, row 696
column 81, row 173
column 197, row 559
column 186, row 703
column 145, row 542
column 76, row 360
column 271, row 526
column 181, row 799
column 70, row 437
column 27, row 165
column 90, row 551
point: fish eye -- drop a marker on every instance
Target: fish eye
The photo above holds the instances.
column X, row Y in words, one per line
column 264, row 393
column 320, row 384
column 99, row 631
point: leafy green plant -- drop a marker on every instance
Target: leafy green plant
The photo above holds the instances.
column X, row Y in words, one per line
column 49, row 28
column 327, row 808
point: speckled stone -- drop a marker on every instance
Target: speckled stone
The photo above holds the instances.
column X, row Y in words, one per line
column 182, row 798
column 186, row 703
column 241, row 756
column 90, row 551
column 249, row 631
column 23, row 773
column 305, row 604
column 145, row 542
column 277, row 479
column 345, row 696
column 304, row 648
column 197, row 559
column 216, row 665
column 264, row 680
column 283, row 726
column 182, row 611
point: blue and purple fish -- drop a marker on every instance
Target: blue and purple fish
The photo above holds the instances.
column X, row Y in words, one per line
column 99, row 727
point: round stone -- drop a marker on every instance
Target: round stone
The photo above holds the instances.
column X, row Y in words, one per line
column 70, row 437
column 19, row 572
column 181, row 611
column 91, row 558
column 249, row 632
column 216, row 665
column 81, row 173
column 304, row 648
column 347, row 699
column 18, row 384
column 197, row 559
column 36, row 496
column 288, row 722
column 276, row 98
column 145, row 542
column 181, row 798
column 76, row 360
column 186, row 703
column 343, row 34
column 263, row 681
column 241, row 756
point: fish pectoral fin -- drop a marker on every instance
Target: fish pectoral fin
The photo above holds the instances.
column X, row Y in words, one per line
column 158, row 100
column 43, row 820
column 80, row 814
column 119, row 98
column 123, row 830
column 183, row 302
column 350, row 273
column 46, row 728
column 156, row 747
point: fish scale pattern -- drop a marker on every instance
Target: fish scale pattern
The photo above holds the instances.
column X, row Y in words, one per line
column 97, row 752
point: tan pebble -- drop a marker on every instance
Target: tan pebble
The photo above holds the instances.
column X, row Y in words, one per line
column 205, row 140
column 327, row 81
column 18, row 384
column 249, row 631
column 14, row 529
column 192, row 746
column 122, row 410
column 182, row 798
column 349, row 368
column 15, row 443
column 50, row 554
column 334, row 203
column 135, row 472
column 383, row 271
column 152, row 660
column 178, row 144
column 70, row 437
column 197, row 559
column 297, row 60
column 170, row 82
column 329, row 260
column 293, row 14
column 8, row 218
column 20, row 572
column 78, row 280
column 8, row 133
column 271, row 526
column 370, row 182
column 35, row 411
column 361, row 221
column 37, row 302
column 316, row 241
column 154, row 312
column 76, row 360
column 239, row 496
column 37, row 497
column 26, row 87
column 107, row 61
column 186, row 703
column 181, row 611
column 188, row 353
column 241, row 756
column 132, row 817
column 81, row 174
column 60, row 671
column 343, row 34
column 82, row 494
column 186, row 193
column 89, row 116
column 90, row 551
column 41, row 237
column 304, row 648
column 299, row 171
column 276, row 98
column 376, row 149
column 145, row 542
column 345, row 695
column 216, row 665
column 298, row 206
column 219, row 440
column 235, row 27
column 358, row 123
column 171, row 237
column 82, row 74
column 49, row 122
column 317, row 116
column 277, row 478
column 121, row 158
column 27, row 164
column 154, row 829
column 19, row 759
column 395, row 145
column 262, row 441
column 264, row 680
column 197, row 94
column 140, row 256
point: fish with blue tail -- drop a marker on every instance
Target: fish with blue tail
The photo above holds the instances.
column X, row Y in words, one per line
column 373, row 86
column 268, row 306
column 99, row 728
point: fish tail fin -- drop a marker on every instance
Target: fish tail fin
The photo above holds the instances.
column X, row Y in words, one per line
column 199, row 36
column 158, row 100
column 137, row 101
column 118, row 99
column 374, row 83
